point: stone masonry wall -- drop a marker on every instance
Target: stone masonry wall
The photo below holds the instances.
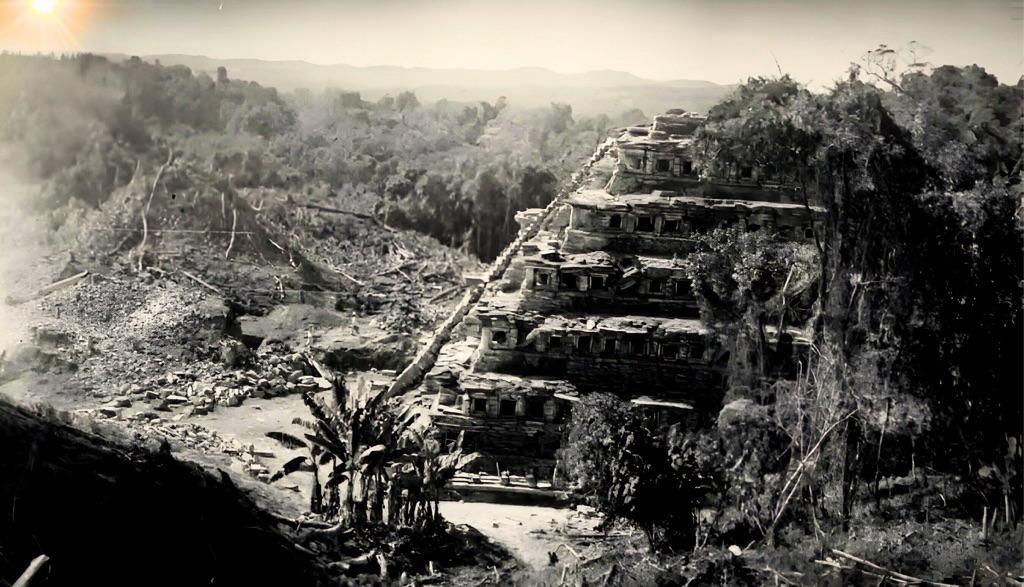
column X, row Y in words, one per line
column 425, row 359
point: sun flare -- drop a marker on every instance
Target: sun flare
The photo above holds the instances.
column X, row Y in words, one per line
column 44, row 7
column 44, row 25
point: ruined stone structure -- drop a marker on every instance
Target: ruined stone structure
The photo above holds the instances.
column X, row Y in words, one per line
column 593, row 296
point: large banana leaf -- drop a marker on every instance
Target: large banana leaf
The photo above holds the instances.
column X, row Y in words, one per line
column 288, row 468
column 336, row 449
column 287, row 440
column 338, row 476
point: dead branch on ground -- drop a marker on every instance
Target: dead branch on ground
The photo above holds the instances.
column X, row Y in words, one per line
column 201, row 282
column 63, row 283
column 570, row 549
column 359, row 215
column 874, row 570
column 445, row 294
column 349, row 277
column 894, row 574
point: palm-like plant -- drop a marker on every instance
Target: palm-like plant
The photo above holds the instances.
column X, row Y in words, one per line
column 376, row 457
column 438, row 469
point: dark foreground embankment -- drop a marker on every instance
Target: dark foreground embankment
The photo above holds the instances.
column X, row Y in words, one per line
column 113, row 516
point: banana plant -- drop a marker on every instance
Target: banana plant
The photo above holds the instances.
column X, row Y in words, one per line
column 375, row 450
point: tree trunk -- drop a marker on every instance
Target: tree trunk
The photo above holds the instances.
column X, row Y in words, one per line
column 831, row 469
column 316, row 496
column 392, row 510
column 348, row 505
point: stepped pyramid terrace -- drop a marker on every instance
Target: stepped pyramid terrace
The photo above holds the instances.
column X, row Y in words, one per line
column 594, row 296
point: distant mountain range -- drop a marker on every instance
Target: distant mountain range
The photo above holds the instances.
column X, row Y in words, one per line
column 609, row 92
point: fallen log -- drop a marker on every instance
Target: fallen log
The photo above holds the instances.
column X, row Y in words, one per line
column 879, row 571
column 321, row 370
column 359, row 565
column 61, row 284
column 56, row 286
column 338, row 531
column 349, row 277
column 201, row 282
column 445, row 293
column 359, row 215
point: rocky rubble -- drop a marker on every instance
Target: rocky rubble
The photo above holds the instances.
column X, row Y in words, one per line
column 203, row 387
column 155, row 406
column 149, row 424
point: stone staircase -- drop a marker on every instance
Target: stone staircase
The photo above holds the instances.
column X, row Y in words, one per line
column 413, row 374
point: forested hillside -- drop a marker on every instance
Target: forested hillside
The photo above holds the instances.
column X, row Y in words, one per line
column 455, row 171
column 590, row 93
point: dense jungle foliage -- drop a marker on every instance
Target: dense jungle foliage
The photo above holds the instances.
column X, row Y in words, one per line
column 910, row 403
column 458, row 172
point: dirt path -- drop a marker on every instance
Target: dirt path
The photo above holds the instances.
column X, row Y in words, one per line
column 529, row 532
column 249, row 423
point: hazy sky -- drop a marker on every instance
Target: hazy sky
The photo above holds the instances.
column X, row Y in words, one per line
column 721, row 41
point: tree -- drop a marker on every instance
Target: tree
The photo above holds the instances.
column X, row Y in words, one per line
column 745, row 282
column 916, row 182
column 406, row 101
column 963, row 121
column 630, row 472
column 889, row 65
column 386, row 102
column 767, row 122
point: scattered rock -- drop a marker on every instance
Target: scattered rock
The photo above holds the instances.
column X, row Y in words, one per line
column 233, row 353
column 107, row 412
